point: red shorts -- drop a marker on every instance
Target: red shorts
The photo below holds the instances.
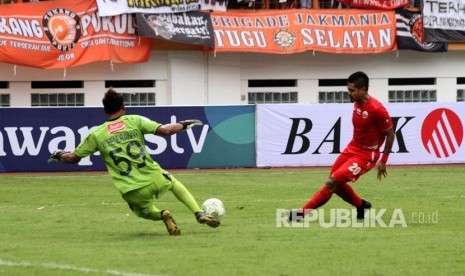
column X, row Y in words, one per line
column 351, row 164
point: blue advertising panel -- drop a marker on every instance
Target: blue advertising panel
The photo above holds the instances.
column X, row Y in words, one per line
column 29, row 135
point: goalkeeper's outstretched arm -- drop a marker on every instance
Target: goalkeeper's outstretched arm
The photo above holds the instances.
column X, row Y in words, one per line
column 64, row 156
column 170, row 129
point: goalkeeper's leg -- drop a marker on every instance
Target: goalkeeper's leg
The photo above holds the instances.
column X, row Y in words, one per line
column 142, row 204
column 183, row 195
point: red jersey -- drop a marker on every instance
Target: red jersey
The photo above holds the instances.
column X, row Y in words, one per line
column 370, row 120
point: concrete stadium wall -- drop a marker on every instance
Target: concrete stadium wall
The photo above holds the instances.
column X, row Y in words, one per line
column 197, row 78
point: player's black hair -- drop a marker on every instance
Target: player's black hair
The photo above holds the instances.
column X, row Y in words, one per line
column 112, row 101
column 359, row 79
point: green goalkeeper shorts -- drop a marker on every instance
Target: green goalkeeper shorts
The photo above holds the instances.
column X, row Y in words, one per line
column 141, row 201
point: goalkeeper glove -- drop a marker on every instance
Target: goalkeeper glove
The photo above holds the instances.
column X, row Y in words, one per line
column 187, row 124
column 55, row 157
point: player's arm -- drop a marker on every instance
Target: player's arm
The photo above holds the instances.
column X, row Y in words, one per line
column 64, row 156
column 85, row 148
column 387, row 150
column 173, row 128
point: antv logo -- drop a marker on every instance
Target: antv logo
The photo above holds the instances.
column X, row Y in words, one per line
column 22, row 141
column 342, row 218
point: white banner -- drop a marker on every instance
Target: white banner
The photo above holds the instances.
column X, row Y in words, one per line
column 116, row 7
column 444, row 14
column 314, row 134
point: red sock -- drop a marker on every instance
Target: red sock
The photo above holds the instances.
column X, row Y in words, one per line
column 347, row 193
column 318, row 199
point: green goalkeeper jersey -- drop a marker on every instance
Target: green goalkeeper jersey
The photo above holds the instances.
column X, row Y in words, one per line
column 122, row 147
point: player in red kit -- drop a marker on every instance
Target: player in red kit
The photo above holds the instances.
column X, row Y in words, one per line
column 372, row 128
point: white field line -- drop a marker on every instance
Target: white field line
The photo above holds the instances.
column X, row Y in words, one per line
column 454, row 196
column 61, row 205
column 124, row 203
column 105, row 177
column 45, row 207
column 86, row 270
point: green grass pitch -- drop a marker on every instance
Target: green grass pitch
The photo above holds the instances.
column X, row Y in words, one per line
column 77, row 224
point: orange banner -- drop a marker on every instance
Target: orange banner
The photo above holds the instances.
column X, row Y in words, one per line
column 60, row 34
column 293, row 31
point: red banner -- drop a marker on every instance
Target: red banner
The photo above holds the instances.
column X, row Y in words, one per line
column 294, row 31
column 60, row 34
column 377, row 4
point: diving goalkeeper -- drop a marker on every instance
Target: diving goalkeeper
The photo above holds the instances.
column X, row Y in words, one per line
column 120, row 141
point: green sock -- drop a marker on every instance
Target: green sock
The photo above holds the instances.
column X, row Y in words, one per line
column 183, row 195
column 155, row 214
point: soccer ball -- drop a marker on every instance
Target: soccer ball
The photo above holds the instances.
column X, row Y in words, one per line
column 214, row 207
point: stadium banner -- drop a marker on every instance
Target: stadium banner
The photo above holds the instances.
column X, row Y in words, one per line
column 410, row 33
column 189, row 28
column 118, row 7
column 294, row 31
column 315, row 134
column 214, row 5
column 376, row 4
column 444, row 20
column 61, row 34
column 29, row 135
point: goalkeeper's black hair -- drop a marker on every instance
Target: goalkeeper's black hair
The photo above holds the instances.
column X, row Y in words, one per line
column 112, row 101
column 359, row 79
